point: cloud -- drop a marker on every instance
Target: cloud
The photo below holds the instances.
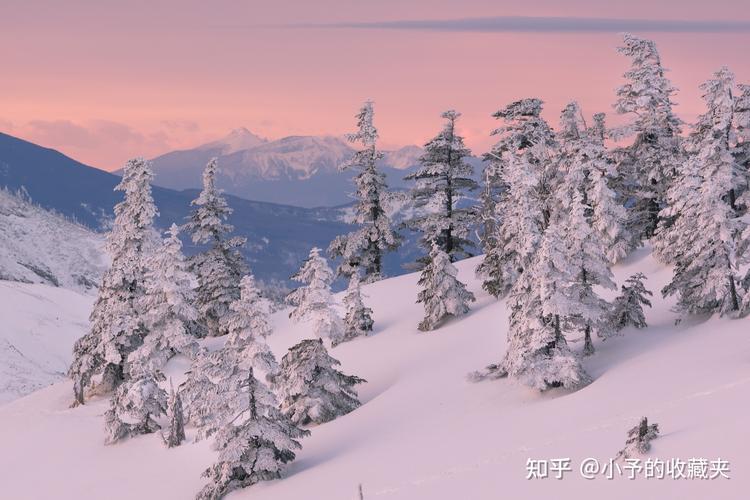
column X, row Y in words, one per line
column 95, row 134
column 550, row 25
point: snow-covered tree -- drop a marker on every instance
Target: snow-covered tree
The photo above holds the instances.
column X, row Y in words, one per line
column 100, row 357
column 175, row 434
column 358, row 320
column 650, row 162
column 133, row 408
column 168, row 306
column 364, row 248
column 249, row 314
column 526, row 150
column 219, row 267
column 212, row 392
column 538, row 354
column 254, row 444
column 442, row 294
column 639, row 439
column 708, row 235
column 443, row 178
column 627, row 308
column 313, row 302
column 311, row 389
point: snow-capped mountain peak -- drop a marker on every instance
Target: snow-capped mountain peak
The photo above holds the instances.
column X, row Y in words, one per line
column 238, row 139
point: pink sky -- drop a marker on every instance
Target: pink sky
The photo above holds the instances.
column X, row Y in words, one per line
column 105, row 81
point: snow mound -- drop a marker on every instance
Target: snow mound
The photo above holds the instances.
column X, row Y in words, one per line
column 37, row 246
column 424, row 432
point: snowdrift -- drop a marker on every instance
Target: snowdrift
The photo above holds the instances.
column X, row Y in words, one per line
column 424, row 431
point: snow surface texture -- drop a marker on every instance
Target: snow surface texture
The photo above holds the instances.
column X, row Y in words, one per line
column 424, row 432
column 37, row 246
column 38, row 326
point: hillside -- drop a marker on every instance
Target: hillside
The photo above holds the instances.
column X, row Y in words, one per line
column 424, row 431
column 37, row 246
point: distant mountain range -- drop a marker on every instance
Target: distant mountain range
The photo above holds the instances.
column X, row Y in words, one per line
column 297, row 170
column 279, row 236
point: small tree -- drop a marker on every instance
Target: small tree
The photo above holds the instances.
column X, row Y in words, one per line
column 253, row 445
column 249, row 313
column 133, row 408
column 100, row 358
column 442, row 180
column 176, row 431
column 312, row 391
column 313, row 301
column 358, row 320
column 639, row 439
column 627, row 308
column 442, row 294
column 364, row 248
column 219, row 267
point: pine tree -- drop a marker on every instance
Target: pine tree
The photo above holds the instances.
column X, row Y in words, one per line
column 249, row 313
column 358, row 320
column 442, row 294
column 168, row 306
column 650, row 162
column 538, row 354
column 133, row 408
column 219, row 267
column 100, row 356
column 639, row 439
column 176, row 432
column 213, row 391
column 708, row 232
column 364, row 248
column 313, row 301
column 311, row 389
column 442, row 180
column 627, row 308
column 526, row 151
column 254, row 444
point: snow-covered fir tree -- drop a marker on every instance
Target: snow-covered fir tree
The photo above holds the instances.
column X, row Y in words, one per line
column 168, row 305
column 175, row 434
column 585, row 266
column 650, row 163
column 134, row 407
column 249, row 314
column 538, row 354
column 220, row 266
column 313, row 301
column 100, row 357
column 212, row 393
column 627, row 308
column 443, row 178
column 358, row 320
column 708, row 236
column 311, row 389
column 587, row 170
column 364, row 248
column 254, row 444
column 442, row 294
column 639, row 439
column 527, row 149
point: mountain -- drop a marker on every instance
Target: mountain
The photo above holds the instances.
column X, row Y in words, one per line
column 297, row 170
column 424, row 432
column 37, row 246
column 279, row 236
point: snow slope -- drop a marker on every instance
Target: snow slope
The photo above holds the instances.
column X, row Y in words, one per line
column 37, row 246
column 38, row 325
column 424, row 431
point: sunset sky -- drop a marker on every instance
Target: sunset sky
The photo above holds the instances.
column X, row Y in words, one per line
column 103, row 81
